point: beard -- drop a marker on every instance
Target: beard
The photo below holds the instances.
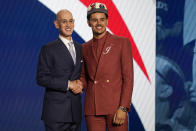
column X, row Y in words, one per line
column 97, row 33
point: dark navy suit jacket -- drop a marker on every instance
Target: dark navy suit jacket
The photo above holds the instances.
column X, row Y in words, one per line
column 55, row 68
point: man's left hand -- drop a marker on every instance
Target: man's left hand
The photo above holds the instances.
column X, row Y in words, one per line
column 119, row 117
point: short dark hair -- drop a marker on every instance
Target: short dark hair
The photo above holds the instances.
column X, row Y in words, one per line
column 89, row 16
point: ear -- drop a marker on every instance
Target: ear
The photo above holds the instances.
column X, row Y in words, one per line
column 56, row 24
column 88, row 22
column 168, row 91
column 107, row 22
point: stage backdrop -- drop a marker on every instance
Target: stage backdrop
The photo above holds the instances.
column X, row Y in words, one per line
column 26, row 25
column 175, row 65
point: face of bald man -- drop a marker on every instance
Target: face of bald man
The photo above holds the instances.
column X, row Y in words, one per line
column 65, row 23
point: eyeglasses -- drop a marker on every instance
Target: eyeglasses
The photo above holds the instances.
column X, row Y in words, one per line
column 64, row 21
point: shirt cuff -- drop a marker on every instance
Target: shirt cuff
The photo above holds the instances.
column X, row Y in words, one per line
column 68, row 86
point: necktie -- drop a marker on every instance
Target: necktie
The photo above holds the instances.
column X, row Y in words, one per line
column 72, row 52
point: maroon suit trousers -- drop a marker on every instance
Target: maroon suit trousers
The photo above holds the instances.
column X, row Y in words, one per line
column 103, row 122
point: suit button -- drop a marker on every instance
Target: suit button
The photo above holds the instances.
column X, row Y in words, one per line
column 95, row 82
column 107, row 81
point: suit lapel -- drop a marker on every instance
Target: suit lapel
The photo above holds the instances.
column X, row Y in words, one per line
column 93, row 52
column 66, row 50
column 77, row 66
column 101, row 59
column 66, row 54
column 78, row 55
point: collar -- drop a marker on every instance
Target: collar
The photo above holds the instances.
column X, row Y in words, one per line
column 65, row 41
column 101, row 39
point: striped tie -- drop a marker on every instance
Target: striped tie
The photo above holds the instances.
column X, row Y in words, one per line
column 72, row 52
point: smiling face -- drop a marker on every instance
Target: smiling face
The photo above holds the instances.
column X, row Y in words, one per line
column 65, row 23
column 98, row 22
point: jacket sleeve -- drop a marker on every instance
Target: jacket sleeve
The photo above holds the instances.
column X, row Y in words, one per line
column 127, row 74
column 44, row 74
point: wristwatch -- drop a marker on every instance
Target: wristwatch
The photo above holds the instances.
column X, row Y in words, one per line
column 124, row 109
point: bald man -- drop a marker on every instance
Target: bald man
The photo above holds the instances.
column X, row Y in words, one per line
column 58, row 71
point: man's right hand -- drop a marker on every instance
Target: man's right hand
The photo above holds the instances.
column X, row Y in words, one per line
column 75, row 86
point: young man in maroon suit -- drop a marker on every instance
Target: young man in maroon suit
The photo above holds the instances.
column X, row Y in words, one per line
column 107, row 75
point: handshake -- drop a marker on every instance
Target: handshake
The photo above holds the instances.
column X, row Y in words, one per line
column 75, row 86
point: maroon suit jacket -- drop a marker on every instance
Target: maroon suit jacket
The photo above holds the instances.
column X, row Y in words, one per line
column 108, row 81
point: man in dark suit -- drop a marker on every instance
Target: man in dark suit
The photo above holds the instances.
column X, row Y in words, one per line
column 58, row 71
column 107, row 75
